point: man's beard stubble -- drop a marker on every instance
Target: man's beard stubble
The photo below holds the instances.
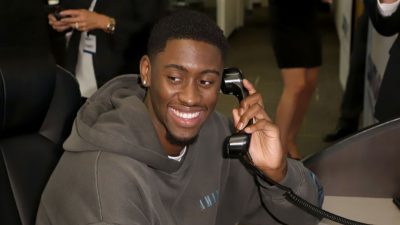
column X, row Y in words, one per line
column 180, row 141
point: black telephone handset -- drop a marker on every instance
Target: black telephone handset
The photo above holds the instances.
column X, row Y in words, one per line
column 236, row 145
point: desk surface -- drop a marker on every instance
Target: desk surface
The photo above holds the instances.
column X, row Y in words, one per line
column 366, row 210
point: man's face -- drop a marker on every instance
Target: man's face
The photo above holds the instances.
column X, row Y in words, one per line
column 183, row 83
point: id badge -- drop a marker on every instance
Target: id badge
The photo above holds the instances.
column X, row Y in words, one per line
column 90, row 44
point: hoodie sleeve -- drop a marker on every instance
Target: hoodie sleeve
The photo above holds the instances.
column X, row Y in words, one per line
column 302, row 182
column 89, row 188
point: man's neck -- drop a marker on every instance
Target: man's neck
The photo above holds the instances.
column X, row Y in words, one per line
column 180, row 156
column 170, row 149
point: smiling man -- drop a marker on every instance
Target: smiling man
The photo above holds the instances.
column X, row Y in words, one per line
column 183, row 83
column 148, row 149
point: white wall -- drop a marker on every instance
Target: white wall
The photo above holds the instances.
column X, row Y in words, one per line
column 230, row 15
column 343, row 15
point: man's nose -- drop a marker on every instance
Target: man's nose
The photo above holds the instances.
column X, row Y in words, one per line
column 190, row 94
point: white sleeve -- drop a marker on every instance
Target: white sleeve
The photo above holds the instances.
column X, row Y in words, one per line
column 387, row 9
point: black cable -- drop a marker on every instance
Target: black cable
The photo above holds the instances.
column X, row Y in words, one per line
column 297, row 200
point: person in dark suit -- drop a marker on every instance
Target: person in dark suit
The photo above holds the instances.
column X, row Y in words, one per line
column 353, row 97
column 388, row 102
column 108, row 37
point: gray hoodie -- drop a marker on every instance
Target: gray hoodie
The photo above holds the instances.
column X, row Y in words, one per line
column 115, row 171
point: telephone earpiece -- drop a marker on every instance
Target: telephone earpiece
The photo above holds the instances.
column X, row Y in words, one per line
column 236, row 145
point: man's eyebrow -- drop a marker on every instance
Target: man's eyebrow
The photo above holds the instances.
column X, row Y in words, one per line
column 216, row 72
column 182, row 68
column 179, row 67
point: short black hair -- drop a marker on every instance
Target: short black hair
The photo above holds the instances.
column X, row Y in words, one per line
column 186, row 24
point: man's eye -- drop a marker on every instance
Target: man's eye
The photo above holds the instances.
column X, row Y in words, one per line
column 173, row 79
column 206, row 83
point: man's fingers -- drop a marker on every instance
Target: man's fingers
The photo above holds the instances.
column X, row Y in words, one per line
column 249, row 86
column 70, row 13
column 51, row 17
column 236, row 117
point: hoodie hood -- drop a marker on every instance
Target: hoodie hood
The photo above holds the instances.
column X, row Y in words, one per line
column 116, row 120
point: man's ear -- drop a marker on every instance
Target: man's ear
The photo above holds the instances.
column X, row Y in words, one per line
column 145, row 71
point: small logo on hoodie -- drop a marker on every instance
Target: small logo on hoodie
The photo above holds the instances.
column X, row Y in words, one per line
column 209, row 200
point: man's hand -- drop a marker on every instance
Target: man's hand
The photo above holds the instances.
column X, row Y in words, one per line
column 265, row 147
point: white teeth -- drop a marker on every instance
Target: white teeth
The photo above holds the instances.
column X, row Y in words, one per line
column 185, row 115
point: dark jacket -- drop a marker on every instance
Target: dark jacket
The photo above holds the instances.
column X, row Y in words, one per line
column 24, row 29
column 115, row 171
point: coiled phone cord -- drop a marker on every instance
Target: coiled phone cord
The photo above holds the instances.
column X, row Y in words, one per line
column 297, row 200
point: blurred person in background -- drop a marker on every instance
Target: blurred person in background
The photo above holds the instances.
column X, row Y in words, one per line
column 297, row 47
column 385, row 17
column 353, row 97
column 107, row 37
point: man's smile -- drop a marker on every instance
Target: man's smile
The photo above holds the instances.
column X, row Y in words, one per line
column 185, row 115
column 186, row 119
